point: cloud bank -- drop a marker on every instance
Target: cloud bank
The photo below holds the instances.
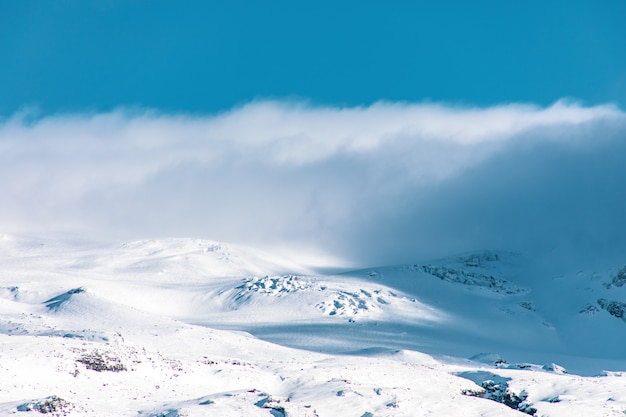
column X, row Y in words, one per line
column 392, row 182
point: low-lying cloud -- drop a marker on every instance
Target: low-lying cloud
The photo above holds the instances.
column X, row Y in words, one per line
column 392, row 182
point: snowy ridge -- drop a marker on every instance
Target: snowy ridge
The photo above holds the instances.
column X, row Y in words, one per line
column 474, row 270
column 132, row 330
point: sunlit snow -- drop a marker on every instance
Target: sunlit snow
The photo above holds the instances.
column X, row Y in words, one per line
column 185, row 327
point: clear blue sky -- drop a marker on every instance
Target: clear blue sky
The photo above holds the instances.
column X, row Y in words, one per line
column 208, row 56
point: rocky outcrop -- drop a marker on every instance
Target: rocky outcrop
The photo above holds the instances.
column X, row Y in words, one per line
column 496, row 388
column 53, row 405
column 470, row 278
column 614, row 308
column 619, row 279
column 102, row 361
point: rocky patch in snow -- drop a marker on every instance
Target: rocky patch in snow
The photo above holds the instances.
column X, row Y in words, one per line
column 352, row 303
column 479, row 259
column 273, row 285
column 495, row 388
column 331, row 298
column 588, row 310
column 528, row 305
column 614, row 308
column 53, row 405
column 470, row 278
column 102, row 361
column 267, row 286
column 619, row 279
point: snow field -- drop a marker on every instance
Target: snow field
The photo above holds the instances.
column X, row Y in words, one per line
column 165, row 328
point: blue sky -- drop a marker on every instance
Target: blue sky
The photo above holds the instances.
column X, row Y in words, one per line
column 208, row 56
column 378, row 133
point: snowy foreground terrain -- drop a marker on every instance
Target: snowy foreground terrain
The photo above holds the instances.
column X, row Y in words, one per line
column 186, row 327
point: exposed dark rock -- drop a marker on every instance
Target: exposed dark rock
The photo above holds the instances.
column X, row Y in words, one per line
column 496, row 388
column 614, row 308
column 619, row 279
column 100, row 361
column 589, row 309
column 469, row 278
column 478, row 259
column 528, row 305
column 53, row 405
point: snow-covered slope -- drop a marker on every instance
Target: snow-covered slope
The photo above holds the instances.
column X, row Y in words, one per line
column 185, row 327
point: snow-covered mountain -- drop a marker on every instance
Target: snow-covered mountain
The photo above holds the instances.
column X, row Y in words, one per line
column 190, row 327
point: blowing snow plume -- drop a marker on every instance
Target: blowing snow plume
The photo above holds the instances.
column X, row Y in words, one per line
column 387, row 183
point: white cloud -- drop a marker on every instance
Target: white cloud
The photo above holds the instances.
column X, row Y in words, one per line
column 382, row 183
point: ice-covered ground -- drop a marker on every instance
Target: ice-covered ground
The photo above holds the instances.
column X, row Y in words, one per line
column 185, row 327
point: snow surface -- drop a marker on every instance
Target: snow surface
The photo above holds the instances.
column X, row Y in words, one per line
column 190, row 327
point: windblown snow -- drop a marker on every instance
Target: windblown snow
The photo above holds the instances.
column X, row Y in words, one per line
column 190, row 327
